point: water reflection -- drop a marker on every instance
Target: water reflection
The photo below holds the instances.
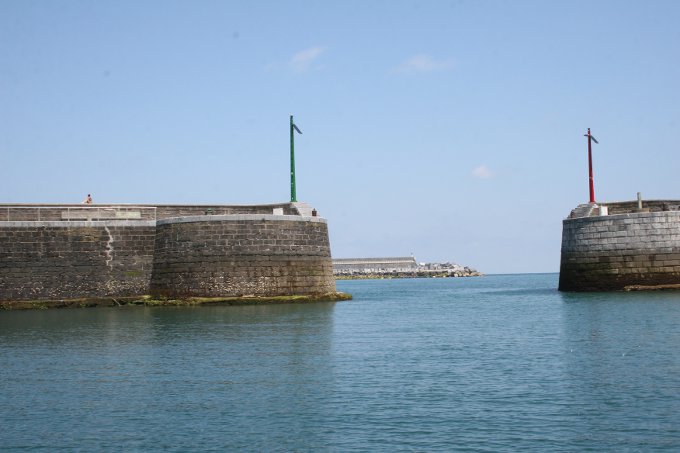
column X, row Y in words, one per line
column 130, row 371
column 621, row 363
column 430, row 365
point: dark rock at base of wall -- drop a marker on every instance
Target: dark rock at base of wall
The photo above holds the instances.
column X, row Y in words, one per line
column 147, row 301
column 596, row 273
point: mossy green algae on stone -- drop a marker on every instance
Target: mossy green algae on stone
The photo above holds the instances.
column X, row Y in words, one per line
column 148, row 301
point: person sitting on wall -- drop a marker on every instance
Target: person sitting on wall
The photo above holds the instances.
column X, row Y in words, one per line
column 88, row 200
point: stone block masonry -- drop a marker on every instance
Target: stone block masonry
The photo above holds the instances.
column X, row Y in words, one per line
column 62, row 260
column 242, row 255
column 167, row 251
column 616, row 252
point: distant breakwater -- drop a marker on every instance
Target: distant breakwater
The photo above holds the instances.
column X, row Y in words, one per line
column 390, row 275
column 397, row 267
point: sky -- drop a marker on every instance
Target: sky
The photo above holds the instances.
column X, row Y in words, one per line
column 451, row 130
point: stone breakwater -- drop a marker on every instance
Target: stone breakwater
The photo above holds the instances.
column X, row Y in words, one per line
column 259, row 255
column 407, row 274
column 58, row 253
column 399, row 267
column 620, row 246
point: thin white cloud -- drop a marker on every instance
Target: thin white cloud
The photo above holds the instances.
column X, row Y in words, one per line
column 424, row 63
column 482, row 172
column 303, row 60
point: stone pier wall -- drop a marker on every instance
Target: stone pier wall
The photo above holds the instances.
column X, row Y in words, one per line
column 259, row 255
column 51, row 260
column 613, row 252
column 59, row 252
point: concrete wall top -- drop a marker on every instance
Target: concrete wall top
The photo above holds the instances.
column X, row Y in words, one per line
column 624, row 207
column 617, row 217
column 79, row 212
column 77, row 223
column 142, row 205
column 239, row 217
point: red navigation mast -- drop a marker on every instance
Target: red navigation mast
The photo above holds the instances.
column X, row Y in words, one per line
column 590, row 165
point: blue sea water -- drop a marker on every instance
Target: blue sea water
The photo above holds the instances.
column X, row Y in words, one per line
column 497, row 363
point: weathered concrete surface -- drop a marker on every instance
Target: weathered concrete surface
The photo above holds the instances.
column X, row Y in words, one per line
column 617, row 252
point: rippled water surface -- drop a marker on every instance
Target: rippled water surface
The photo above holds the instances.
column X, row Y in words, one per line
column 480, row 364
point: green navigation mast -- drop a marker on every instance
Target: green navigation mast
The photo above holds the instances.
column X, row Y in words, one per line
column 293, row 128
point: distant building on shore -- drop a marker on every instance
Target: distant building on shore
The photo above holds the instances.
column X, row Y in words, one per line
column 397, row 267
column 375, row 265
